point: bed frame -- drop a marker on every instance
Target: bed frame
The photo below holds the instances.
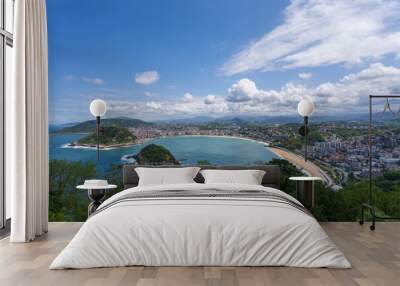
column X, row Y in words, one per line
column 271, row 178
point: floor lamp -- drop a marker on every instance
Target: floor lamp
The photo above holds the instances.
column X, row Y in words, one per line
column 369, row 205
column 305, row 108
column 98, row 108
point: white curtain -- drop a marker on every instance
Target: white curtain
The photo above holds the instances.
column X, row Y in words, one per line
column 27, row 124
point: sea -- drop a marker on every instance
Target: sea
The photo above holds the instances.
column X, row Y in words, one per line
column 186, row 149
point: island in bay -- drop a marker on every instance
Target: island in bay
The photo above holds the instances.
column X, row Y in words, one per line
column 114, row 133
column 110, row 137
column 155, row 155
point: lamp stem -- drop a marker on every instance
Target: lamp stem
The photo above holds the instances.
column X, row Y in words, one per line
column 305, row 137
column 98, row 135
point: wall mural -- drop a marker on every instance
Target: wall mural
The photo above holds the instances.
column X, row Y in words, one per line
column 201, row 84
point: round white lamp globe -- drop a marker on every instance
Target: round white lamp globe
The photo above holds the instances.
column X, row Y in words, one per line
column 98, row 107
column 305, row 107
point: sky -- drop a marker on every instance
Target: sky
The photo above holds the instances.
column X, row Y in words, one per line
column 160, row 60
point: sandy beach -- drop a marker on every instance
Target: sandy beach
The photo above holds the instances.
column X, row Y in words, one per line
column 310, row 168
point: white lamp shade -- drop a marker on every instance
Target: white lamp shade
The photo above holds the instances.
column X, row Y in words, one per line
column 98, row 107
column 305, row 107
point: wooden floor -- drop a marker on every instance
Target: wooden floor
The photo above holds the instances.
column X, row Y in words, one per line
column 375, row 257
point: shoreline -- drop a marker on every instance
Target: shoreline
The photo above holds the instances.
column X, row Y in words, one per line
column 107, row 148
column 308, row 167
column 143, row 141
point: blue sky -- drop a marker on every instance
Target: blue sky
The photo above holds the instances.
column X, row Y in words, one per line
column 176, row 59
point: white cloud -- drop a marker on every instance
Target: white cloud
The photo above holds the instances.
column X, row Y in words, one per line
column 147, row 77
column 149, row 94
column 188, row 97
column 316, row 33
column 95, row 80
column 351, row 92
column 243, row 90
column 374, row 71
column 168, row 108
column 347, row 94
column 91, row 80
column 211, row 104
column 210, row 99
column 305, row 75
column 154, row 105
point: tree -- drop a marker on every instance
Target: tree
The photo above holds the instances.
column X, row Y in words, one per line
column 114, row 176
column 110, row 135
column 155, row 155
column 345, row 204
column 203, row 163
column 66, row 203
column 287, row 170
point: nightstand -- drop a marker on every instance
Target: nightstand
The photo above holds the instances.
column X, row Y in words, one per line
column 305, row 190
column 96, row 190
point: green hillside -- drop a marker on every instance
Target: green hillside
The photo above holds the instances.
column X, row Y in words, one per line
column 90, row 125
column 155, row 155
column 110, row 135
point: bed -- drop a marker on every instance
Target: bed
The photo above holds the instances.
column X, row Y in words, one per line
column 197, row 224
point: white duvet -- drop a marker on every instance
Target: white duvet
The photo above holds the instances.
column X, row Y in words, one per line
column 193, row 231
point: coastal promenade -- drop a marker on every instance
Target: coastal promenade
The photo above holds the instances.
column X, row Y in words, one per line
column 308, row 167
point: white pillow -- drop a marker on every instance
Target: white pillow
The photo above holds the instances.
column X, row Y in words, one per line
column 166, row 176
column 248, row 177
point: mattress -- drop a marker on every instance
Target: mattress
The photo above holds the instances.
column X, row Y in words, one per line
column 201, row 225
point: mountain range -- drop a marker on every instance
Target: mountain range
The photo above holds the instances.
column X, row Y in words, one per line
column 90, row 125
